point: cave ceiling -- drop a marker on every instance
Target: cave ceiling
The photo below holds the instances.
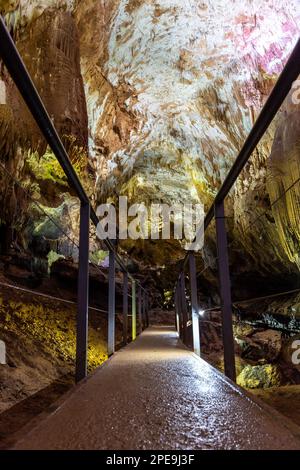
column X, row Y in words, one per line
column 161, row 94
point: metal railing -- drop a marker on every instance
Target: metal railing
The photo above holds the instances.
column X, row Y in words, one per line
column 188, row 323
column 18, row 72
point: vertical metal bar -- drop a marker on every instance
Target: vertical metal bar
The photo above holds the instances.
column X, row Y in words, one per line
column 125, row 306
column 140, row 309
column 225, row 292
column 111, row 305
column 133, row 311
column 183, row 309
column 147, row 310
column 143, row 309
column 179, row 303
column 194, row 301
column 177, row 313
column 83, row 294
column 181, row 312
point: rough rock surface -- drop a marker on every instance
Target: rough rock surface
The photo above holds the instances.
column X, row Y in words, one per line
column 261, row 345
column 262, row 376
column 165, row 92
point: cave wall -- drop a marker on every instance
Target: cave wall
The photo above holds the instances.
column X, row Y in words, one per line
column 47, row 38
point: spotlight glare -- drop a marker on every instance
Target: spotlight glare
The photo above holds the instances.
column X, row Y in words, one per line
column 201, row 312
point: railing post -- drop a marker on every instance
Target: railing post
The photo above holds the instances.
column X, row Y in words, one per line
column 147, row 310
column 133, row 311
column 179, row 303
column 183, row 309
column 83, row 294
column 194, row 302
column 144, row 309
column 140, row 309
column 111, row 305
column 177, row 313
column 125, row 306
column 225, row 292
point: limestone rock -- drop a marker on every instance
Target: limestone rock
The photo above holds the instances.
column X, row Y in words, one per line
column 260, row 376
column 263, row 345
column 240, row 364
column 163, row 94
column 270, row 341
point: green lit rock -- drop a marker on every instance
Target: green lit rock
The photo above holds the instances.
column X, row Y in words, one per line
column 54, row 223
column 260, row 376
column 98, row 256
column 52, row 258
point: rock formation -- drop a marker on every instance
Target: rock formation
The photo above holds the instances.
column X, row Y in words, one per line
column 161, row 95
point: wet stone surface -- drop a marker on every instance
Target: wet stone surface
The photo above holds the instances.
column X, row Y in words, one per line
column 155, row 394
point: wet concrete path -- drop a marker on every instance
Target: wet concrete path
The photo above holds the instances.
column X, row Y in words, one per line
column 155, row 394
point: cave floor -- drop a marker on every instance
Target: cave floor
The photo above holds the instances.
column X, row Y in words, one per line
column 156, row 394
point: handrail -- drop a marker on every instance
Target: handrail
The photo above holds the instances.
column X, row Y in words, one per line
column 28, row 91
column 280, row 91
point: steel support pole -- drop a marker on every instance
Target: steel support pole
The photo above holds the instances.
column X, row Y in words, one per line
column 111, row 305
column 133, row 311
column 183, row 309
column 83, row 294
column 147, row 310
column 140, row 309
column 177, row 320
column 125, row 306
column 225, row 292
column 194, row 301
column 180, row 309
column 144, row 309
column 181, row 313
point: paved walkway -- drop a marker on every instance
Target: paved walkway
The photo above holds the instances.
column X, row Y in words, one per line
column 155, row 394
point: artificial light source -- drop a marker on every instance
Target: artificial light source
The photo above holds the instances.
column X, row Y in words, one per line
column 201, row 313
